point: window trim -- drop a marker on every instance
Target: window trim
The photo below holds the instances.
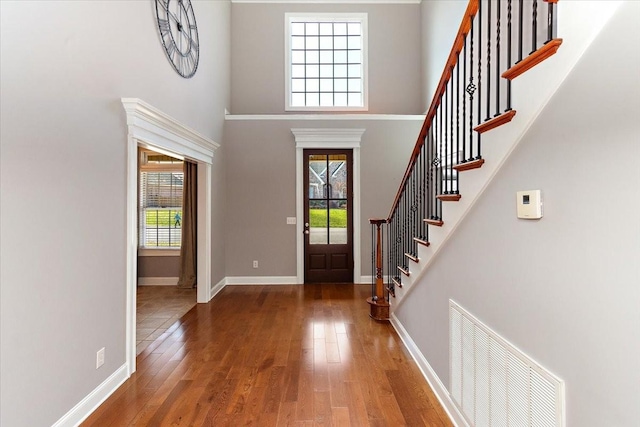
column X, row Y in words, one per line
column 327, row 17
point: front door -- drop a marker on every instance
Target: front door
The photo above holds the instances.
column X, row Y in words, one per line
column 328, row 216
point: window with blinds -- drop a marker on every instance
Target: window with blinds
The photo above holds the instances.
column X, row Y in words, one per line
column 160, row 204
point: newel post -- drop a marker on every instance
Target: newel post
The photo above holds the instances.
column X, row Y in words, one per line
column 377, row 301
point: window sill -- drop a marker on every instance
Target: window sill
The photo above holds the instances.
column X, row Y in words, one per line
column 158, row 252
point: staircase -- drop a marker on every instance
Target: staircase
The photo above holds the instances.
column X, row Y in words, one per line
column 495, row 82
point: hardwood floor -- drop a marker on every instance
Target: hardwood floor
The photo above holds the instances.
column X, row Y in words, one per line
column 276, row 356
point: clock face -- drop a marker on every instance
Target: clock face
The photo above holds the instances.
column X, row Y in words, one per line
column 179, row 34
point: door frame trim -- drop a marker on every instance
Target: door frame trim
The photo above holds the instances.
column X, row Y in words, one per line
column 151, row 128
column 314, row 138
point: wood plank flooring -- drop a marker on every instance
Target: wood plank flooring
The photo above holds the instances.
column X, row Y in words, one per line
column 276, row 356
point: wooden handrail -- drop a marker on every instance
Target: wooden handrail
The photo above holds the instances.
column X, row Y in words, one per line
column 465, row 27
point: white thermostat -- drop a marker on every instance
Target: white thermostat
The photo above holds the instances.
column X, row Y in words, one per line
column 529, row 204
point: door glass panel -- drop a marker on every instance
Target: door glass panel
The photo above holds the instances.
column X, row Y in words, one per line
column 317, row 176
column 338, row 222
column 338, row 176
column 318, row 222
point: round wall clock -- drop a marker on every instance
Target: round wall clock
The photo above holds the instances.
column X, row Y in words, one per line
column 179, row 34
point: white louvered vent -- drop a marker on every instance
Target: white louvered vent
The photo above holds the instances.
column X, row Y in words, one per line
column 495, row 384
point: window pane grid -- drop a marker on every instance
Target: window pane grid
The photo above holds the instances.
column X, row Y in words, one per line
column 326, row 64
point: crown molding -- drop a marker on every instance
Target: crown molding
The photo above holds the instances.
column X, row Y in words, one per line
column 144, row 120
column 332, row 1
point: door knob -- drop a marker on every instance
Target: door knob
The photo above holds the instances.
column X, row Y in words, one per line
column 306, row 224
column 306, row 231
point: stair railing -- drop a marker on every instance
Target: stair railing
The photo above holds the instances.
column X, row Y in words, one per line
column 473, row 96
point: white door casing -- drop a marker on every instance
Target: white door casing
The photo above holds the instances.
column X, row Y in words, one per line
column 327, row 139
column 150, row 128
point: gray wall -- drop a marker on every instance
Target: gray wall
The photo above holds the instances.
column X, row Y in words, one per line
column 158, row 266
column 258, row 84
column 64, row 68
column 262, row 183
column 564, row 289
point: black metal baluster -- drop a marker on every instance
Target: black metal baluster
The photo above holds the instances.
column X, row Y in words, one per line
column 464, row 103
column 488, row 60
column 551, row 21
column 471, row 89
column 520, row 30
column 432, row 160
column 440, row 155
column 423, row 192
column 478, row 137
column 457, row 109
column 498, row 16
column 445, row 156
column 508, row 54
column 534, row 27
column 396, row 243
column 407, row 226
column 373, row 261
column 382, row 261
column 414, row 211
column 440, row 160
column 450, row 162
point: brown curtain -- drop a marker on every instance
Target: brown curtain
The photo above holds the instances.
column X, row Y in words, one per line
column 188, row 249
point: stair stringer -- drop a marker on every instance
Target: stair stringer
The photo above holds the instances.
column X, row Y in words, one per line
column 579, row 23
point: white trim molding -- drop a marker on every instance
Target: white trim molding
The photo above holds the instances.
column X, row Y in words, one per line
column 326, row 139
column 148, row 122
column 218, row 287
column 331, row 1
column 262, row 280
column 157, row 281
column 90, row 403
column 328, row 117
column 429, row 374
column 150, row 128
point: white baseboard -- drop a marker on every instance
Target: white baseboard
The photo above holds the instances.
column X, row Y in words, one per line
column 365, row 280
column 94, row 399
column 429, row 374
column 157, row 281
column 218, row 287
column 262, row 280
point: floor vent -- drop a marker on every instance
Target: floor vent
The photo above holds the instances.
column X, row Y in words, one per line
column 495, row 384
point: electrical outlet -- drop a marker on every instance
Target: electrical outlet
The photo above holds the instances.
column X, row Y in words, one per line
column 100, row 358
column 255, row 264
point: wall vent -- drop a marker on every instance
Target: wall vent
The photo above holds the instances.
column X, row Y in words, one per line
column 495, row 384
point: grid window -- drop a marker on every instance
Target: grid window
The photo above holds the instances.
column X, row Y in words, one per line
column 326, row 62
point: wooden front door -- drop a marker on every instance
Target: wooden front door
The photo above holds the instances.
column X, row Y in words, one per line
column 328, row 216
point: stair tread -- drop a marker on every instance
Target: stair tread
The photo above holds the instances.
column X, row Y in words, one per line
column 412, row 257
column 544, row 52
column 436, row 222
column 405, row 272
column 422, row 241
column 449, row 197
column 397, row 282
column 500, row 120
column 473, row 164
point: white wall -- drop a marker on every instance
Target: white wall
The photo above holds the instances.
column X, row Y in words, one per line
column 440, row 22
column 563, row 289
column 64, row 68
